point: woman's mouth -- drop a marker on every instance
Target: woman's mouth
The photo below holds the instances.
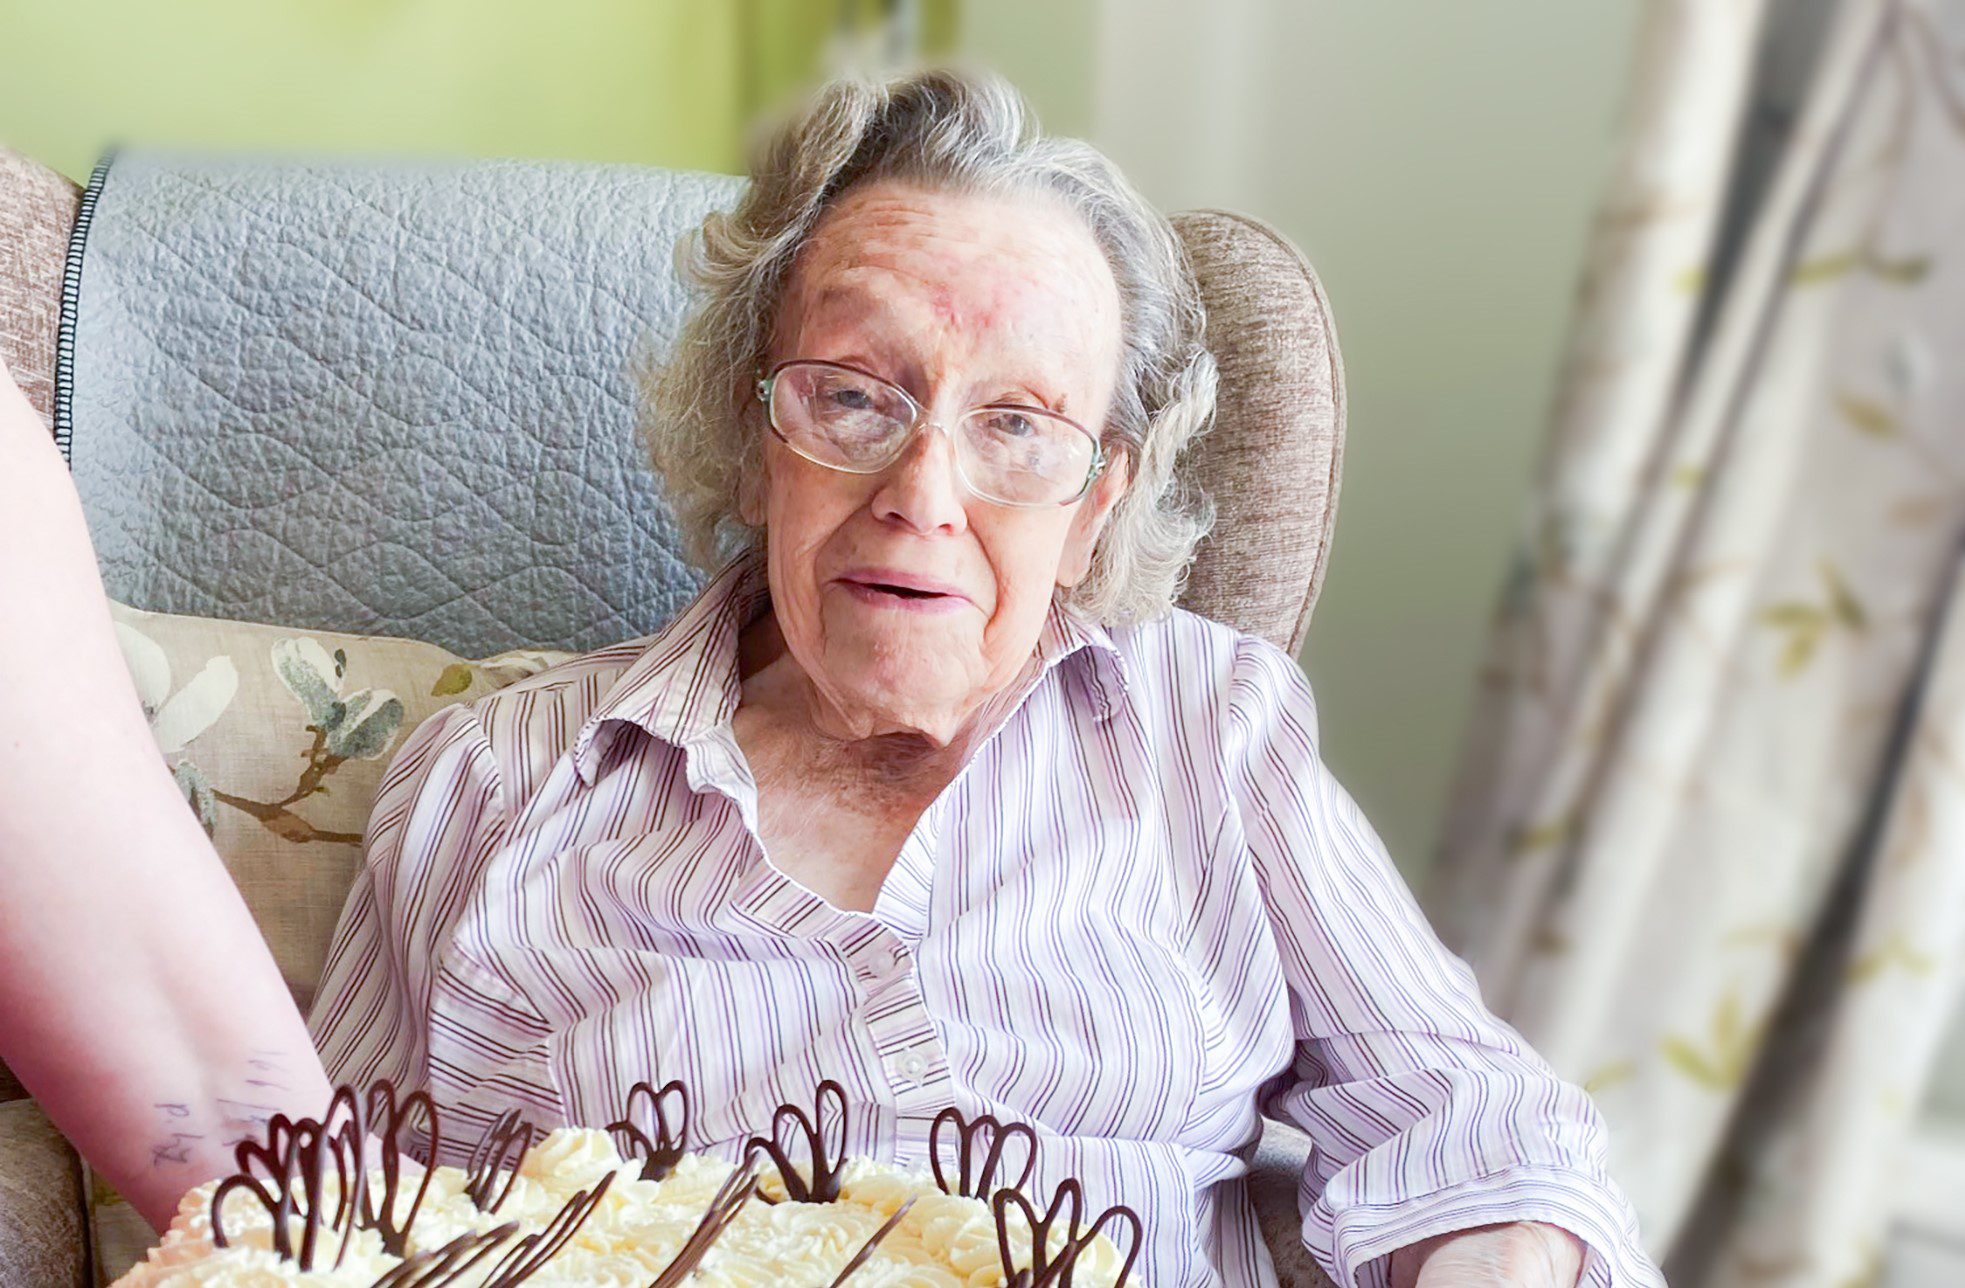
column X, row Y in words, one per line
column 903, row 592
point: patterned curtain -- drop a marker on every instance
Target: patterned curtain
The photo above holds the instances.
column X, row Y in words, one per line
column 1707, row 848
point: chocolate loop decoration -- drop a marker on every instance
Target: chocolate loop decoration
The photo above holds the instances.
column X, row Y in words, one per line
column 504, row 1146
column 1069, row 1200
column 971, row 1182
column 288, row 1173
column 865, row 1253
column 1126, row 1217
column 658, row 1156
column 828, row 1156
column 1049, row 1269
column 388, row 1117
column 730, row 1198
column 296, row 1158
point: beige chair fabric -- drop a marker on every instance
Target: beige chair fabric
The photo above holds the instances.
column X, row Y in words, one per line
column 1272, row 460
column 37, row 209
column 42, row 1240
column 1271, row 465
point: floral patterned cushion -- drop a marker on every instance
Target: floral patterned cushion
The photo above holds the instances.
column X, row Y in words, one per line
column 279, row 739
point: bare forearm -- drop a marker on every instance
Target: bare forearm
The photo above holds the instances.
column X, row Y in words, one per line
column 138, row 1002
column 161, row 1034
column 1523, row 1254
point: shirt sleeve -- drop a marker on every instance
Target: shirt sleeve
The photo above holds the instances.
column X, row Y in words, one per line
column 438, row 817
column 1426, row 1113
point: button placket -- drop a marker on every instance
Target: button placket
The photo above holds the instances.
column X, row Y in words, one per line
column 896, row 1017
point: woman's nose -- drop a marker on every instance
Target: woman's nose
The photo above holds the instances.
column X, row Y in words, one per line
column 922, row 489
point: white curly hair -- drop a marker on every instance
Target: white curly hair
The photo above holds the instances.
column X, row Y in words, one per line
column 951, row 130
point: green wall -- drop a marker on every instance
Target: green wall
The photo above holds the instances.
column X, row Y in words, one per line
column 669, row 82
column 1444, row 176
column 1439, row 161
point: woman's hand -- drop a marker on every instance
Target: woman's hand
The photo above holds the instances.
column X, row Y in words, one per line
column 1524, row 1254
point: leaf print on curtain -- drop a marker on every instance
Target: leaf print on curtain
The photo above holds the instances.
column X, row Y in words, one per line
column 1803, row 624
column 1707, row 848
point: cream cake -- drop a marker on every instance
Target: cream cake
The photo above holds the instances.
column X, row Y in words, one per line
column 567, row 1208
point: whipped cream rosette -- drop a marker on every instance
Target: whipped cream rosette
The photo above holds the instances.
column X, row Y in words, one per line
column 340, row 1201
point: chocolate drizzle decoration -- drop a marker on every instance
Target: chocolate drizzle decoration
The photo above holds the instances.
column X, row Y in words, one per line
column 1053, row 1268
column 450, row 1263
column 296, row 1158
column 533, row 1251
column 660, row 1155
column 504, row 1146
column 297, row 1154
column 828, row 1149
column 729, row 1201
column 455, row 1262
column 985, row 1132
column 865, row 1253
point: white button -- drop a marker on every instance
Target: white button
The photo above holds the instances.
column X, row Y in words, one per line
column 910, row 1067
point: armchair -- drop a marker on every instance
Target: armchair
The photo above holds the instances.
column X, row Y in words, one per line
column 1271, row 463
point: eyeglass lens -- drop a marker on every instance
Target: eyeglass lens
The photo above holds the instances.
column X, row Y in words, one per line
column 856, row 422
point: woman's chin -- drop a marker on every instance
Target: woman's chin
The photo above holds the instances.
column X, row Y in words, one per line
column 883, row 694
column 887, row 672
column 884, row 630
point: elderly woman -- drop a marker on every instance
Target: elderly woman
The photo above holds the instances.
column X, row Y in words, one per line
column 932, row 790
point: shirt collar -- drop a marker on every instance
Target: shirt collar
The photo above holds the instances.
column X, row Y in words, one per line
column 685, row 685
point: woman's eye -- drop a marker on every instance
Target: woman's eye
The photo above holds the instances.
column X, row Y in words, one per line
column 850, row 399
column 1012, row 425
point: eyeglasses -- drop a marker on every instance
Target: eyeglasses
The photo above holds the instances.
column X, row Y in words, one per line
column 842, row 418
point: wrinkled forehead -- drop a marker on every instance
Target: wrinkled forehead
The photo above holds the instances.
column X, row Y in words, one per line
column 997, row 277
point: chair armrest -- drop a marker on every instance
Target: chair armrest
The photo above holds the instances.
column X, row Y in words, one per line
column 1273, row 1179
column 43, row 1221
column 37, row 209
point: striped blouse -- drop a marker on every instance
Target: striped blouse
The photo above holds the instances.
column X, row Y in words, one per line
column 1142, row 917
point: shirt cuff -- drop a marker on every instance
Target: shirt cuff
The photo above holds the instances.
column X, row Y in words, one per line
column 1356, row 1244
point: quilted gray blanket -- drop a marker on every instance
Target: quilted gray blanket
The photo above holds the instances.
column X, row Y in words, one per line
column 377, row 396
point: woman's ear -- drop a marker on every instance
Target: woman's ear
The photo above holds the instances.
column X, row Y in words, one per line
column 751, row 489
column 1089, row 521
column 750, row 507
